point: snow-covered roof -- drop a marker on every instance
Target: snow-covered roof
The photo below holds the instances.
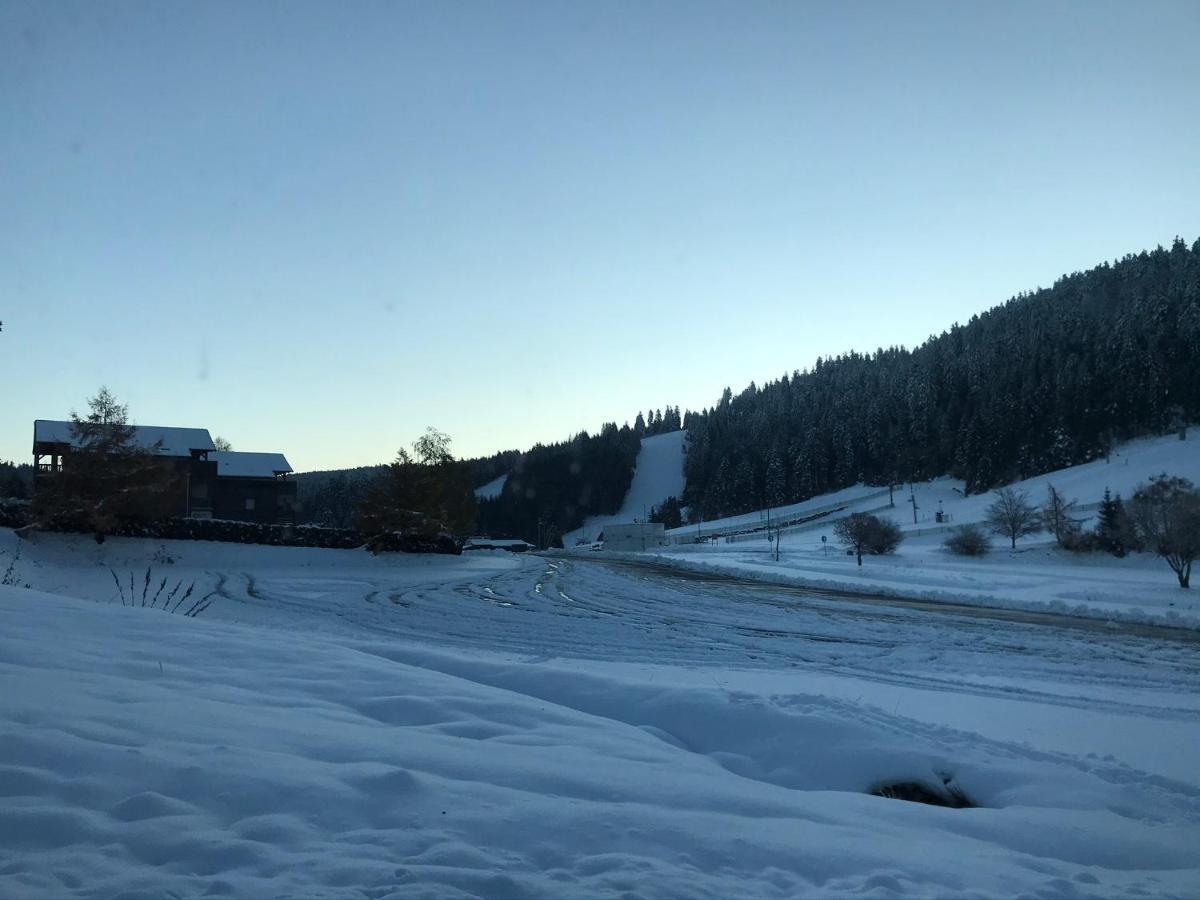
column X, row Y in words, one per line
column 172, row 441
column 233, row 464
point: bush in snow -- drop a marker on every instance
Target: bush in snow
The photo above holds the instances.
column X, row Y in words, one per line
column 1084, row 542
column 947, row 794
column 14, row 513
column 173, row 600
column 11, row 576
column 884, row 537
column 968, row 540
column 863, row 533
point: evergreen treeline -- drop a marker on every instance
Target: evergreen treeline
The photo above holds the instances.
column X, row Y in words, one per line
column 16, row 481
column 658, row 421
column 1047, row 380
column 552, row 488
column 333, row 498
column 485, row 469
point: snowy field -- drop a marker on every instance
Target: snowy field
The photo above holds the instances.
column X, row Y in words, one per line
column 337, row 725
column 1037, row 576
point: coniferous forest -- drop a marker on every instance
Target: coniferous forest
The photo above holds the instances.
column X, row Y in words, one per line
column 553, row 488
column 1047, row 380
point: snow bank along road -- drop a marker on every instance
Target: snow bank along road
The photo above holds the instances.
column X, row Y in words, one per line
column 498, row 726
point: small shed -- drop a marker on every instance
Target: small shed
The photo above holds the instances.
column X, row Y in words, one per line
column 634, row 536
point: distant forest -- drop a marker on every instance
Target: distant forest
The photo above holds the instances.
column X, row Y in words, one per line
column 552, row 488
column 1048, row 379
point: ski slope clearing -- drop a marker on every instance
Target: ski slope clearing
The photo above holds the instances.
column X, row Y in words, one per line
column 657, row 476
column 492, row 489
column 1037, row 576
column 501, row 726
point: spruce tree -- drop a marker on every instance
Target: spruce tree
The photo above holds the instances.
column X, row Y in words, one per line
column 107, row 481
column 1112, row 528
column 776, row 481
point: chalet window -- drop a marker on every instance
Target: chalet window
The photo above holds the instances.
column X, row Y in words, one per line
column 249, row 503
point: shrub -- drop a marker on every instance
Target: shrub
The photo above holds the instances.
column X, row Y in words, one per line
column 1083, row 542
column 863, row 533
column 151, row 595
column 947, row 794
column 968, row 540
column 884, row 537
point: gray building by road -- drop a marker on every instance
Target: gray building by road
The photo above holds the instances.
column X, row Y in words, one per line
column 635, row 536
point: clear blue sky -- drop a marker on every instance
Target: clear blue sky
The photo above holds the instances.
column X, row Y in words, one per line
column 319, row 227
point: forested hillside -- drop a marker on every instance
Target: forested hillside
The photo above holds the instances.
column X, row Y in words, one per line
column 553, row 487
column 1046, row 380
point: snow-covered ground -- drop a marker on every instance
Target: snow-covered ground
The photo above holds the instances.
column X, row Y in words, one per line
column 657, row 476
column 1037, row 576
column 337, row 725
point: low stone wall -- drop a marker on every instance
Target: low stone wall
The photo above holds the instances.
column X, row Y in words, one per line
column 17, row 515
column 234, row 532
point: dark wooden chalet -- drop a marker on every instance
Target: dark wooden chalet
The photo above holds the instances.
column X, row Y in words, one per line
column 248, row 487
column 254, row 487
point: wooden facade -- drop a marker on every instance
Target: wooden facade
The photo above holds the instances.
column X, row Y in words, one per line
column 254, row 487
column 245, row 487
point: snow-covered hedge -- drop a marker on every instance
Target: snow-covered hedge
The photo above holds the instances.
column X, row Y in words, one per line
column 14, row 513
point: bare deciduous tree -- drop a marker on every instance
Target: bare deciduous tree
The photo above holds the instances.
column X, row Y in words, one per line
column 1056, row 516
column 1166, row 515
column 864, row 533
column 1012, row 515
